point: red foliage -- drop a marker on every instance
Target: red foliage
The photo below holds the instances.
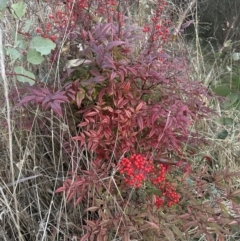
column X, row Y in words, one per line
column 144, row 104
column 46, row 99
column 131, row 98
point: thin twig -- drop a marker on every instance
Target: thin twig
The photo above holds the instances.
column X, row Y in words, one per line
column 183, row 16
column 9, row 125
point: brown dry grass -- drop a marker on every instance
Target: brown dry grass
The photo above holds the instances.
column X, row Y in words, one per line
column 32, row 163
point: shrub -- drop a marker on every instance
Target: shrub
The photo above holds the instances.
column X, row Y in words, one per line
column 135, row 106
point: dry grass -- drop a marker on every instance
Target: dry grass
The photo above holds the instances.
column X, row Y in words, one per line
column 32, row 163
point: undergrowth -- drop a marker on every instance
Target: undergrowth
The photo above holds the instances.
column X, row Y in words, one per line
column 109, row 131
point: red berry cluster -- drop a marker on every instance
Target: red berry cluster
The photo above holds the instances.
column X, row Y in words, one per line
column 105, row 7
column 158, row 29
column 137, row 169
column 70, row 14
column 58, row 21
column 159, row 202
column 159, row 175
column 169, row 194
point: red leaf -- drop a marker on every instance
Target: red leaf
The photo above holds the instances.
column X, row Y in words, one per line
column 191, row 224
column 93, row 133
column 56, row 108
column 152, row 132
column 83, row 124
column 91, row 209
column 102, row 29
column 90, row 36
column 60, row 189
column 39, row 100
column 132, row 70
column 93, row 113
column 109, row 108
column 184, row 216
column 119, row 102
column 105, row 28
column 140, row 122
column 90, row 223
column 126, row 86
column 168, row 122
column 46, row 100
column 121, row 117
column 87, row 133
column 91, row 120
column 100, row 237
column 114, row 44
column 108, row 62
column 186, row 24
column 124, row 102
column 139, row 107
column 112, row 76
column 89, row 145
column 79, row 97
column 27, row 99
column 70, row 196
column 99, row 79
column 78, row 200
column 128, row 113
column 60, row 96
column 154, row 118
column 85, row 237
column 78, row 183
column 38, row 93
column 154, row 225
column 46, row 91
column 79, row 138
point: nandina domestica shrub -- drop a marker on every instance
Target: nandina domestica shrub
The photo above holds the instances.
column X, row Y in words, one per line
column 135, row 106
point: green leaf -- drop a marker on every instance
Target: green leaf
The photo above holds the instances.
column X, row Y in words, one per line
column 34, row 57
column 227, row 43
column 19, row 41
column 3, row 4
column 190, row 182
column 236, row 199
column 236, row 56
column 17, row 38
column 224, row 209
column 19, row 9
column 22, row 44
column 222, row 90
column 27, row 25
column 14, row 54
column 42, row 45
column 226, row 121
column 235, row 228
column 80, row 96
column 21, row 78
column 222, row 135
column 168, row 234
column 231, row 99
column 178, row 232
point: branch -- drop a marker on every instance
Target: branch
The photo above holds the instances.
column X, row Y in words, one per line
column 183, row 16
column 167, row 162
